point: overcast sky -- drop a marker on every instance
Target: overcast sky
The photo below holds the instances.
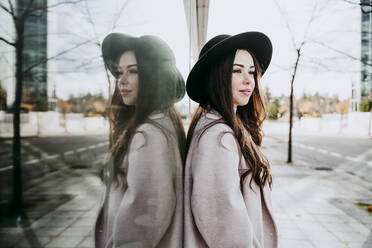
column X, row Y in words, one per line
column 335, row 26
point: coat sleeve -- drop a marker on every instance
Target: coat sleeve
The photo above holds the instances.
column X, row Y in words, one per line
column 216, row 201
column 149, row 203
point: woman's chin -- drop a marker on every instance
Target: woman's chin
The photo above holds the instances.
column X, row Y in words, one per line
column 128, row 101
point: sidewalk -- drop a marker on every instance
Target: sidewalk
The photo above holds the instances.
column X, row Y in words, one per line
column 63, row 215
column 312, row 208
column 318, row 208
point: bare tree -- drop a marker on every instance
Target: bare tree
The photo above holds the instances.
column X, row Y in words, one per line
column 366, row 5
column 20, row 12
column 298, row 47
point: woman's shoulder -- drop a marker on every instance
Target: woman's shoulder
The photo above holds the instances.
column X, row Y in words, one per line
column 212, row 123
column 212, row 129
column 151, row 133
column 154, row 124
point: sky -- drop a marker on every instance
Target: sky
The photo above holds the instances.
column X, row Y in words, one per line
column 335, row 26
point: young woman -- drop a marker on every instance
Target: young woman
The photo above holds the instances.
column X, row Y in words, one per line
column 143, row 201
column 227, row 178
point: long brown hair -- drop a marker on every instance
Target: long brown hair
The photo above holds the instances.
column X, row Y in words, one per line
column 159, row 83
column 245, row 124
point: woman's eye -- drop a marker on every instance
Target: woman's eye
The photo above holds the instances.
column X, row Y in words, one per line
column 252, row 72
column 119, row 73
column 133, row 71
column 237, row 71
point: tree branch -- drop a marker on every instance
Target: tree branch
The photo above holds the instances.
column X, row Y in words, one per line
column 8, row 42
column 9, row 11
column 11, row 6
column 55, row 56
column 90, row 20
column 369, row 4
column 119, row 14
column 341, row 52
column 310, row 22
column 286, row 23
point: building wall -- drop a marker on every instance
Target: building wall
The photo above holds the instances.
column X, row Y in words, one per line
column 366, row 54
column 35, row 53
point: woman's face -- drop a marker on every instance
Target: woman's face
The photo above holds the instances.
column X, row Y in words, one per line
column 242, row 79
column 128, row 78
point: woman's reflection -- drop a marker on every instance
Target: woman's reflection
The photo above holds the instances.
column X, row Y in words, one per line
column 142, row 204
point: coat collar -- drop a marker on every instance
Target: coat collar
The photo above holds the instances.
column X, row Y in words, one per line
column 213, row 115
column 156, row 115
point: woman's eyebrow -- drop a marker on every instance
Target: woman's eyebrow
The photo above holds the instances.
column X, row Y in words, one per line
column 252, row 66
column 128, row 66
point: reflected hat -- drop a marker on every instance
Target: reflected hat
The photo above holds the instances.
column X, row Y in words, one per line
column 155, row 54
column 255, row 42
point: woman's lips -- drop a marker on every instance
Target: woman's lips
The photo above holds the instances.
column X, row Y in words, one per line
column 246, row 92
column 125, row 92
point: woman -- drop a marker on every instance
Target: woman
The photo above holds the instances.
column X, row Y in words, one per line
column 143, row 200
column 227, row 178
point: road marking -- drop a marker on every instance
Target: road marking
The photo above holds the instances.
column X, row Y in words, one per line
column 33, row 161
column 352, row 159
column 53, row 156
column 6, row 168
column 92, row 147
column 335, row 154
column 68, row 153
column 311, row 148
column 81, row 149
column 301, row 162
column 322, row 150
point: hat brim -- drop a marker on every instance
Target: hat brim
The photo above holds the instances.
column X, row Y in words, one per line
column 257, row 43
column 113, row 46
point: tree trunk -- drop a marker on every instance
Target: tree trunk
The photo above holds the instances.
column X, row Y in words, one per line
column 289, row 160
column 17, row 168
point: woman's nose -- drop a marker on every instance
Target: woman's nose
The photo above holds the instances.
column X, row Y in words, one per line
column 246, row 78
column 123, row 79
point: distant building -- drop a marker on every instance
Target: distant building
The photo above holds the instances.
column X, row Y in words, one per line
column 35, row 54
column 366, row 51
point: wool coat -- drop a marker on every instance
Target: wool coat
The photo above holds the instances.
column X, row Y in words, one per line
column 147, row 210
column 217, row 212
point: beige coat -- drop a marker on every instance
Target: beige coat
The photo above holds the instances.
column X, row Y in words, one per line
column 217, row 214
column 148, row 210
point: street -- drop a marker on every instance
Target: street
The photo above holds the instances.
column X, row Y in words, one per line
column 316, row 202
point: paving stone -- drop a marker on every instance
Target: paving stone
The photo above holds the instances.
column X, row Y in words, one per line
column 64, row 241
column 88, row 242
column 285, row 243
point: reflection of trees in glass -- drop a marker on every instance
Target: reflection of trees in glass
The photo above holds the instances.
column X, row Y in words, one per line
column 3, row 96
column 88, row 104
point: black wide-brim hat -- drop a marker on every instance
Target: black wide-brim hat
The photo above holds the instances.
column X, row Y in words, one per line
column 256, row 43
column 155, row 52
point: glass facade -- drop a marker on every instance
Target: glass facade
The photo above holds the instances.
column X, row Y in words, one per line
column 35, row 53
column 366, row 53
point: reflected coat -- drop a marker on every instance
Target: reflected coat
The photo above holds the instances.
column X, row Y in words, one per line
column 147, row 211
column 217, row 213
